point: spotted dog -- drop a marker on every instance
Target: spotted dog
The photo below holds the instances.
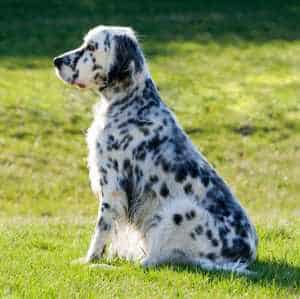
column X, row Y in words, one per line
column 160, row 201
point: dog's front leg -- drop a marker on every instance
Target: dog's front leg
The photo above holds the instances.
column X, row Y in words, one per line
column 111, row 208
column 100, row 236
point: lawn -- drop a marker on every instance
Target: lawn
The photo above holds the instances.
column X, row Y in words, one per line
column 231, row 73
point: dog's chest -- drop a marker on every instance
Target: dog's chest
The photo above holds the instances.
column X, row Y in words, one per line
column 120, row 133
column 114, row 138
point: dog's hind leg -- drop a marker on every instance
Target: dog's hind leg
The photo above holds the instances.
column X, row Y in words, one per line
column 173, row 239
column 187, row 234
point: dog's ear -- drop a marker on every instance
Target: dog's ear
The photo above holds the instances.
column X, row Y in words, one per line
column 127, row 59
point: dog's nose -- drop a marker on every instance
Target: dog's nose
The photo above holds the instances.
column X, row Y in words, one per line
column 58, row 61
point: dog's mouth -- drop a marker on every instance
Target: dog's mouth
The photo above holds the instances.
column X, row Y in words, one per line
column 80, row 85
column 69, row 81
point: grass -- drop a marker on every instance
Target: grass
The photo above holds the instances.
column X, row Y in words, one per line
column 231, row 73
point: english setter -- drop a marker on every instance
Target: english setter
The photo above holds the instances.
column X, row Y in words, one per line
column 160, row 201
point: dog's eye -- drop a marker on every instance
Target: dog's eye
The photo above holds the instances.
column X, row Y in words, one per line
column 90, row 47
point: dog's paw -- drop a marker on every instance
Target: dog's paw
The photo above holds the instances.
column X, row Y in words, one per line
column 85, row 260
column 102, row 266
column 80, row 261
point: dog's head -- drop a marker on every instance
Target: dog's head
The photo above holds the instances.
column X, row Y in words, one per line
column 108, row 56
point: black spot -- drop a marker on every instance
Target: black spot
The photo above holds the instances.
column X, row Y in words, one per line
column 154, row 142
column 104, row 179
column 149, row 91
column 205, row 181
column 153, row 179
column 103, row 170
column 126, row 164
column 66, row 60
column 177, row 218
column 145, row 131
column 238, row 216
column 211, row 256
column 106, row 226
column 106, row 205
column 193, row 236
column 193, row 168
column 220, row 202
column 127, row 185
column 112, row 143
column 145, row 109
column 240, row 229
column 125, row 141
column 165, row 165
column 77, row 57
column 103, row 225
column 140, row 151
column 209, row 234
column 124, row 131
column 190, row 215
column 115, row 165
column 75, row 75
column 215, row 242
column 180, row 174
column 157, row 218
column 96, row 67
column 164, row 191
column 139, row 175
column 199, row 229
column 101, row 220
column 220, row 218
column 188, row 188
column 107, row 42
column 99, row 147
column 243, row 233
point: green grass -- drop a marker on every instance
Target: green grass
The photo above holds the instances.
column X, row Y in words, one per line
column 231, row 73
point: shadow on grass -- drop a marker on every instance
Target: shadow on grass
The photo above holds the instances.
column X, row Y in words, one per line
column 266, row 273
column 40, row 29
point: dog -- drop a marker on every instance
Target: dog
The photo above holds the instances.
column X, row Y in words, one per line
column 160, row 201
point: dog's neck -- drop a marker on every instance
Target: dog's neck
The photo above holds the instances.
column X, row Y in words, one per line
column 120, row 90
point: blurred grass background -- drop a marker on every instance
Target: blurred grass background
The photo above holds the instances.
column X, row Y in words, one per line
column 231, row 73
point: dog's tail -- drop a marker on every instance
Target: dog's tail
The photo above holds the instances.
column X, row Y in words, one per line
column 238, row 267
column 178, row 258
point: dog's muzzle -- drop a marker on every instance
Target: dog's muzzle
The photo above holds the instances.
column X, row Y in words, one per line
column 58, row 61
